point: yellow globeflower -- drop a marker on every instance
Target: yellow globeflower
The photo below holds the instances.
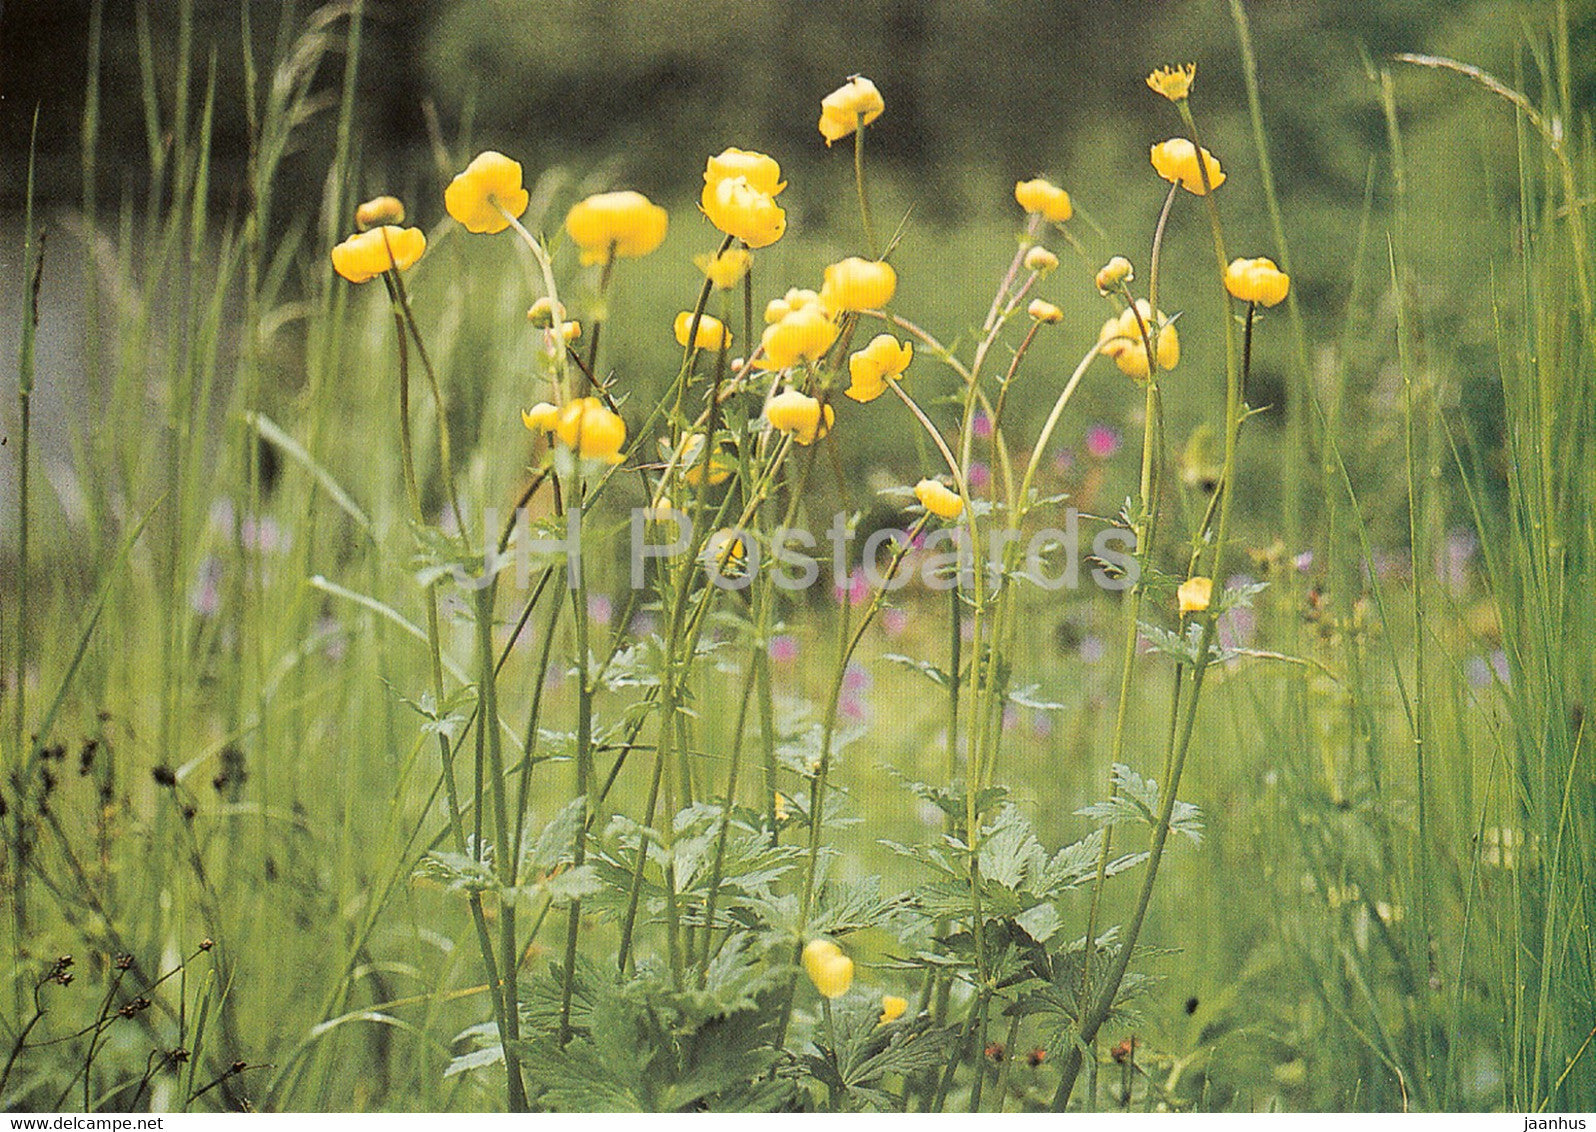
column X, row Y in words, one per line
column 844, row 109
column 1116, row 271
column 1176, row 162
column 543, row 313
column 365, row 256
column 828, row 968
column 1122, row 340
column 802, row 336
column 541, row 417
column 799, row 415
column 739, row 208
column 379, row 211
column 1257, row 281
column 1044, row 311
column 760, row 170
column 692, row 463
column 885, row 357
column 892, row 1008
column 938, row 499
column 590, row 430
column 1194, row 594
column 1042, row 196
column 726, row 269
column 712, row 333
column 1174, row 83
column 624, row 224
column 489, row 188
column 796, row 298
column 855, row 284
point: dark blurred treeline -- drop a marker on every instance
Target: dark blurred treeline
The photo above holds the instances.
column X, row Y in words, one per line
column 1020, row 87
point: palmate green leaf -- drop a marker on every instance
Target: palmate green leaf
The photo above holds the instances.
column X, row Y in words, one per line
column 868, row 1057
column 930, row 671
column 1137, row 801
column 457, row 872
column 556, row 842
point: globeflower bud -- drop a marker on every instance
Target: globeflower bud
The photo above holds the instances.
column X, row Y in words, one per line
column 542, row 313
column 1116, row 271
column 1040, row 260
column 799, row 415
column 1043, row 197
column 1257, row 281
column 590, row 430
column 712, row 333
column 1176, row 162
column 739, row 208
column 855, row 102
column 1194, row 594
column 760, row 170
column 366, row 255
column 938, row 499
column 622, row 224
column 855, row 284
column 487, row 194
column 379, row 211
column 892, row 1008
column 1044, row 311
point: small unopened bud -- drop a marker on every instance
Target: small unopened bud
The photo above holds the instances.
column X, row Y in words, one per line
column 207, row 943
column 379, row 211
column 541, row 314
column 1116, row 271
column 1044, row 311
column 1040, row 260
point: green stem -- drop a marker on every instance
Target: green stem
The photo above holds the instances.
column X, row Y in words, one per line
column 859, row 186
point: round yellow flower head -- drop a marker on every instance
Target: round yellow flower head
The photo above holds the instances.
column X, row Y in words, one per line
column 367, row 255
column 855, row 102
column 868, row 369
column 796, row 298
column 489, row 188
column 828, row 968
column 725, row 553
column 804, row 335
column 937, row 498
column 1122, row 340
column 1040, row 260
column 892, row 1008
column 799, row 415
column 590, row 430
column 738, row 208
column 1042, row 196
column 760, row 170
column 726, row 269
column 1257, row 281
column 1194, row 594
column 855, row 284
column 379, row 211
column 1174, row 83
column 542, row 417
column 1176, row 162
column 712, row 333
column 1116, row 271
column 1044, row 311
column 624, row 224
column 568, row 331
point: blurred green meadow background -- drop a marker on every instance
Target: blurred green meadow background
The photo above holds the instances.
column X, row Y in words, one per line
column 215, row 702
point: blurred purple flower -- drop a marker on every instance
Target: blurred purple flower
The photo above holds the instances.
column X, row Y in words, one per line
column 600, row 609
column 784, row 648
column 894, row 621
column 1101, row 441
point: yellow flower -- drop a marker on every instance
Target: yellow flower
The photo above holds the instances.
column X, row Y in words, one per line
column 1044, row 311
column 726, row 553
column 712, row 333
column 1257, row 281
column 855, row 284
column 1174, row 83
column 796, row 298
column 569, row 331
column 542, row 313
column 1116, row 271
column 799, row 415
column 1040, row 260
column 590, row 430
column 804, row 335
column 760, row 170
column 1043, row 196
column 727, row 269
column 828, row 968
column 541, row 417
column 1176, row 162
column 624, row 224
column 739, row 208
column 885, row 357
column 1122, row 340
column 780, row 806
column 855, row 102
column 892, row 1008
column 489, row 188
column 938, row 499
column 378, row 211
column 1194, row 594
column 367, row 255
